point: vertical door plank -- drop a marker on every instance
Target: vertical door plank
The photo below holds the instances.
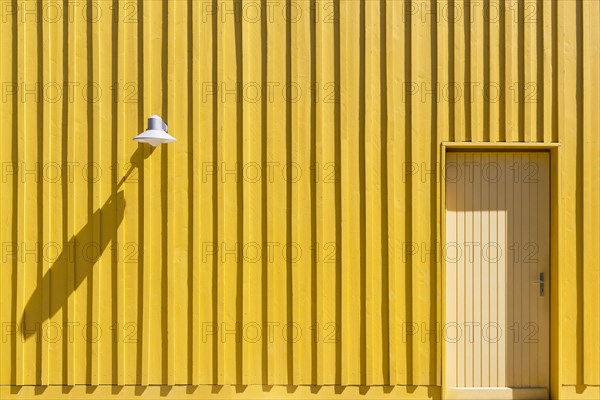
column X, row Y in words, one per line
column 486, row 287
column 461, row 278
column 474, row 249
column 543, row 207
column 452, row 260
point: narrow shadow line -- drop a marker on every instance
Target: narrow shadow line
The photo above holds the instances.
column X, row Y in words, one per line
column 141, row 205
column 191, row 199
column 44, row 303
column 289, row 203
column 580, row 185
column 555, row 95
column 116, row 301
column 164, row 202
column 313, row 190
column 215, row 191
column 486, row 72
column 408, row 194
column 362, row 190
column 264, row 193
column 451, row 71
column 237, row 7
column 502, row 72
column 165, row 389
column 467, row 73
column 338, row 192
column 64, row 190
column 540, row 71
column 90, row 188
column 15, row 191
column 385, row 264
column 521, row 69
column 435, row 139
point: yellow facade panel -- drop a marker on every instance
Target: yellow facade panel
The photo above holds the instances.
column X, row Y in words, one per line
column 292, row 235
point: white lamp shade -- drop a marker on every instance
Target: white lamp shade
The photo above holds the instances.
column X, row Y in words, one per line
column 156, row 133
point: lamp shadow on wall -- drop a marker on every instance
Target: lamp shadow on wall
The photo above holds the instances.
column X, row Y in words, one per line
column 80, row 254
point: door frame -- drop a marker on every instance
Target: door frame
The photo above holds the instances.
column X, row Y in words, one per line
column 553, row 150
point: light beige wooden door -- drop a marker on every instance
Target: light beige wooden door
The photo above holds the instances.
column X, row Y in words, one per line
column 497, row 254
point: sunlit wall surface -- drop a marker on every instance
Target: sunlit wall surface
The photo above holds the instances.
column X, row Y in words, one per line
column 289, row 236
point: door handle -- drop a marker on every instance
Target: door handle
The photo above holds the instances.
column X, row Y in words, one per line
column 541, row 283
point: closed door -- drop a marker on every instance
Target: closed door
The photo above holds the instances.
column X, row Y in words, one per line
column 497, row 259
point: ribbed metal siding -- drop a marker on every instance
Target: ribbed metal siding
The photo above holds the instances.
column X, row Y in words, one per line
column 382, row 85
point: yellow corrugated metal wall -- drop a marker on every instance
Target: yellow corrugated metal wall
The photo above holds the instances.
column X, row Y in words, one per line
column 299, row 203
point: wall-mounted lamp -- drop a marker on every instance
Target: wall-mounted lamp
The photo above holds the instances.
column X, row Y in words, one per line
column 156, row 133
